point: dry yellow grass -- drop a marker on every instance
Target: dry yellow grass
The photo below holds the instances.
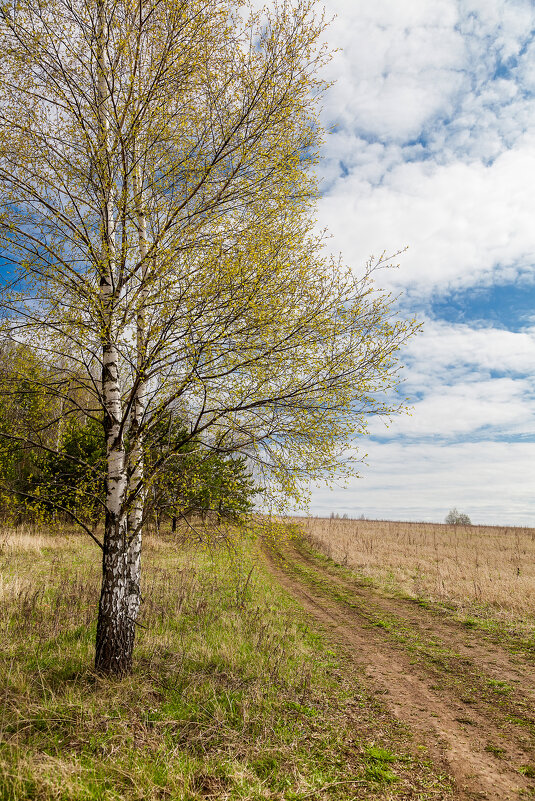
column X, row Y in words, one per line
column 28, row 538
column 28, row 541
column 469, row 565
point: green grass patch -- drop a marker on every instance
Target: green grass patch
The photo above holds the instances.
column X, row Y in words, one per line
column 234, row 695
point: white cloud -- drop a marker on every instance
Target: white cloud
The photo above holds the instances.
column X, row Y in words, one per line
column 465, row 223
column 398, row 65
column 434, row 148
column 525, row 72
column 465, row 408
column 433, row 106
column 490, row 481
column 505, row 24
column 465, row 382
column 445, row 349
column 413, row 67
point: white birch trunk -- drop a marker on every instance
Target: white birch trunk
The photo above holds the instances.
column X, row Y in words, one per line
column 115, row 629
column 137, row 417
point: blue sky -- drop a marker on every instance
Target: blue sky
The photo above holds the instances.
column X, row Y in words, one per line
column 434, row 147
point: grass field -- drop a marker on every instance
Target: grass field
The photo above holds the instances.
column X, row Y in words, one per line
column 486, row 571
column 234, row 694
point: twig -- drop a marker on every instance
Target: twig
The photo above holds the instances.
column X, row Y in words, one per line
column 357, row 782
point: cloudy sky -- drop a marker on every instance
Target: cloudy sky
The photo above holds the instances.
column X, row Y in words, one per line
column 434, row 148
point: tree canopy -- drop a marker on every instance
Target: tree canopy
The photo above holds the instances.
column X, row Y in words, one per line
column 456, row 518
column 157, row 215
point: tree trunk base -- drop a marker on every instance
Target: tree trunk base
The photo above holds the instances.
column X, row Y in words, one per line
column 114, row 646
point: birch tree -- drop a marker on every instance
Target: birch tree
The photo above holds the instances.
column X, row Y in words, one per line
column 157, row 226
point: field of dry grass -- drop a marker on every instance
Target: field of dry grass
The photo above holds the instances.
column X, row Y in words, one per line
column 483, row 567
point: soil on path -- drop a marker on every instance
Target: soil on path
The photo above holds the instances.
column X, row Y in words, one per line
column 468, row 700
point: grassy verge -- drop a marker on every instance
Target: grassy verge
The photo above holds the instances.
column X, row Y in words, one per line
column 233, row 695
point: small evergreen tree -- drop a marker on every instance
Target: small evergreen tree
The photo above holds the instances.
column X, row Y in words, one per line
column 189, row 479
column 71, row 479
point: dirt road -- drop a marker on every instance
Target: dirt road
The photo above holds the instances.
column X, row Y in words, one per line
column 469, row 700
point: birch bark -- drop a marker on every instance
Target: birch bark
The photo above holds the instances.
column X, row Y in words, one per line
column 136, row 456
column 115, row 627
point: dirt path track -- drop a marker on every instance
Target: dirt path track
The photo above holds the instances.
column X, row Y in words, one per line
column 467, row 699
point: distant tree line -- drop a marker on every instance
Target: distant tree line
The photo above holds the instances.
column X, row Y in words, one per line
column 52, row 456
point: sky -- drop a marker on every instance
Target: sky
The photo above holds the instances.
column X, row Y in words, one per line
column 433, row 147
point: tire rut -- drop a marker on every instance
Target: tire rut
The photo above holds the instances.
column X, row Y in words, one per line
column 474, row 646
column 437, row 716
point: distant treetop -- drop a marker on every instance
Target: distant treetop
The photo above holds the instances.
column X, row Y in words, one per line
column 456, row 518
